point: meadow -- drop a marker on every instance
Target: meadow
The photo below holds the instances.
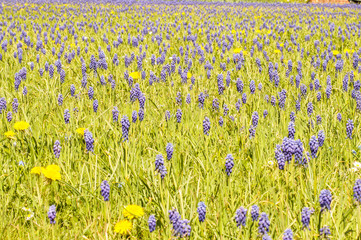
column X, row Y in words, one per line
column 165, row 120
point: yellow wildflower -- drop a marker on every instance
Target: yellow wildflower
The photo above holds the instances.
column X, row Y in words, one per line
column 80, row 131
column 9, row 134
column 237, row 50
column 135, row 75
column 123, row 227
column 189, row 75
column 277, row 51
column 335, row 52
column 37, row 170
column 133, row 211
column 21, row 125
column 52, row 172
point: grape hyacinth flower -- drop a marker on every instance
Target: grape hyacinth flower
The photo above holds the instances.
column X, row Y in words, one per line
column 60, row 99
column 280, row 157
column 105, row 190
column 90, row 93
column 306, row 217
column 141, row 114
column 159, row 166
column 357, row 191
column 115, row 113
column 9, row 116
column 95, row 105
column 263, row 224
column 89, row 140
column 240, row 217
column 181, row 228
column 325, row 232
column 349, row 128
column 309, row 108
column 288, row 234
column 57, row 149
column 178, row 115
column 321, row 138
column 254, row 212
column 255, row 118
column 125, row 127
column 229, row 164
column 201, row 210
column 169, row 149
column 52, row 214
column 291, row 130
column 167, row 115
column 72, row 90
column 15, row 105
column 314, row 146
column 206, row 126
column 134, row 116
column 220, row 121
column 325, row 199
column 152, row 223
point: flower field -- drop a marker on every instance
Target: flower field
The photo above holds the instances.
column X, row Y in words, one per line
column 166, row 120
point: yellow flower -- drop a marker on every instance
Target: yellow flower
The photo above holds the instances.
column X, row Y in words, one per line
column 233, row 31
column 9, row 134
column 52, row 172
column 335, row 52
column 189, row 75
column 133, row 211
column 123, row 227
column 237, row 50
column 21, row 125
column 80, row 131
column 348, row 50
column 37, row 170
column 277, row 51
column 135, row 75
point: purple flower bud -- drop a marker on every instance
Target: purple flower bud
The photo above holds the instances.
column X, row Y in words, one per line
column 95, row 105
column 125, row 127
column 325, row 199
column 288, row 234
column 206, row 126
column 141, row 114
column 159, row 166
column 240, row 218
column 178, row 115
column 306, row 217
column 105, row 190
column 52, row 214
column 325, row 232
column 15, row 105
column 169, row 149
column 152, row 223
column 314, row 146
column 263, row 224
column 255, row 212
column 357, row 191
column 201, row 210
column 229, row 164
column 349, row 128
column 57, row 149
column 134, row 116
column 115, row 113
column 89, row 141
